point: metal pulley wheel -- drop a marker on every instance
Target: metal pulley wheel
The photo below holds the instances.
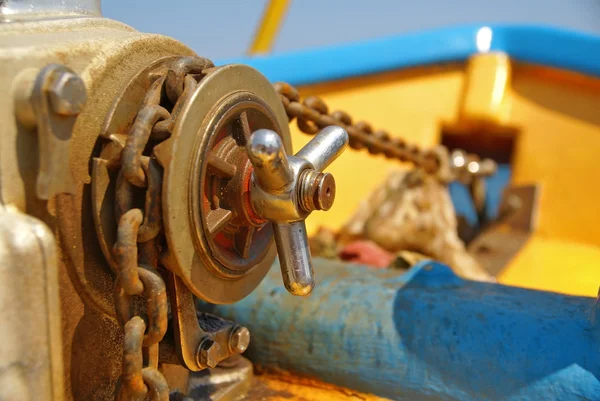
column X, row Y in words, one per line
column 215, row 243
column 208, row 147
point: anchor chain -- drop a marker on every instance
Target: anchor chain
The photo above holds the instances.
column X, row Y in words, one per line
column 137, row 247
column 312, row 114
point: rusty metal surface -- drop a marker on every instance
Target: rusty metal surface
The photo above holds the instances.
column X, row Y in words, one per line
column 137, row 265
column 137, row 380
column 237, row 238
column 500, row 242
column 107, row 183
column 313, row 114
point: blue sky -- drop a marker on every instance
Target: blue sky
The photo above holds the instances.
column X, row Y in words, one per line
column 221, row 29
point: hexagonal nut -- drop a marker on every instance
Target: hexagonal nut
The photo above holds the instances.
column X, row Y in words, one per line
column 67, row 94
column 208, row 353
column 239, row 340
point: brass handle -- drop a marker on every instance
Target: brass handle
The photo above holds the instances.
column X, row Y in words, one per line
column 286, row 189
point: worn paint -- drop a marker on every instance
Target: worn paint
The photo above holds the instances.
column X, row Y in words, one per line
column 426, row 334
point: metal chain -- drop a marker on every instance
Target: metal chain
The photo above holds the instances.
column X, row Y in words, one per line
column 137, row 273
column 312, row 115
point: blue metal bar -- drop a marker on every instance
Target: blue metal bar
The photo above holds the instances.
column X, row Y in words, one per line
column 426, row 335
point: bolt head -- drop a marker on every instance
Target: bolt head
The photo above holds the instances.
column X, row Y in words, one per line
column 239, row 340
column 325, row 192
column 67, row 94
column 208, row 353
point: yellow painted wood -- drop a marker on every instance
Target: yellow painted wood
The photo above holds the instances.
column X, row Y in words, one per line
column 485, row 94
column 270, row 24
column 557, row 120
column 558, row 115
column 555, row 265
column 398, row 102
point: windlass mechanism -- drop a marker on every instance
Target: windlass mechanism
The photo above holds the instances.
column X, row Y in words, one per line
column 286, row 189
column 163, row 179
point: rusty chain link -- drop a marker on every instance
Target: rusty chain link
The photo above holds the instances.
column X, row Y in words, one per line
column 312, row 115
column 137, row 273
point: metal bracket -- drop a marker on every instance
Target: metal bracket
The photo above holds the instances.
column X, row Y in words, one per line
column 499, row 243
column 202, row 340
column 50, row 102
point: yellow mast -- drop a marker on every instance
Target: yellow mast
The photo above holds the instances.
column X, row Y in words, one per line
column 270, row 24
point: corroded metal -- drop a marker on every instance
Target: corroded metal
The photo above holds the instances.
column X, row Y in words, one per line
column 186, row 330
column 126, row 251
column 131, row 385
column 137, row 381
column 313, row 114
column 137, row 139
column 136, row 272
column 126, row 165
column 155, row 296
column 317, row 190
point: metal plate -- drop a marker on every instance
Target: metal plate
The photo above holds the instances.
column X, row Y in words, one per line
column 189, row 252
column 496, row 247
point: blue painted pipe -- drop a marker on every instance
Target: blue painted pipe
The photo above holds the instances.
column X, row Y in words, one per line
column 425, row 335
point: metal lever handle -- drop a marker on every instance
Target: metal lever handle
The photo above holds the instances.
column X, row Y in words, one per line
column 286, row 189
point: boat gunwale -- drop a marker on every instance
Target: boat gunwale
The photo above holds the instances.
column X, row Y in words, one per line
column 535, row 44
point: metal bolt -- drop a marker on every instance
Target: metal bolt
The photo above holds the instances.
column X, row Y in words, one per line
column 67, row 94
column 239, row 340
column 208, row 353
column 316, row 191
column 324, row 194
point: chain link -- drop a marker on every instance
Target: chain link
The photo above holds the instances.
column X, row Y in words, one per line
column 137, row 273
column 312, row 115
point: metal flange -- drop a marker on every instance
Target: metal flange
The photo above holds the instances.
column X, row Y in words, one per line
column 215, row 244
